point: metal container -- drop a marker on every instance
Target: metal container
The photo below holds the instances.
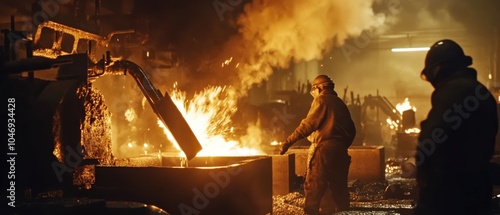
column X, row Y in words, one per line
column 284, row 178
column 367, row 162
column 210, row 185
column 407, row 144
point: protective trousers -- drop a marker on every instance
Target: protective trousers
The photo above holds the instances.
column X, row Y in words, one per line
column 327, row 169
column 455, row 194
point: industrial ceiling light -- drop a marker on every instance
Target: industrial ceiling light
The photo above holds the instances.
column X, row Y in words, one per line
column 413, row 49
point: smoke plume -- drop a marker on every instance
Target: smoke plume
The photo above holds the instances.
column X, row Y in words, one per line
column 275, row 33
column 475, row 15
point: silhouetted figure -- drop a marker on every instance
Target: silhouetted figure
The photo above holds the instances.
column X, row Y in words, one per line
column 457, row 139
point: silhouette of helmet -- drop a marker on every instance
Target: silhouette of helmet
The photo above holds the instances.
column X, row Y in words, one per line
column 322, row 80
column 444, row 53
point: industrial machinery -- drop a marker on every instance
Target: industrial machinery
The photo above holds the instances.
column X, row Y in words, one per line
column 63, row 142
column 377, row 120
column 377, row 112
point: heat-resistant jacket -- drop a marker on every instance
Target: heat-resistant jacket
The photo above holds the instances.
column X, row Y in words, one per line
column 455, row 145
column 327, row 119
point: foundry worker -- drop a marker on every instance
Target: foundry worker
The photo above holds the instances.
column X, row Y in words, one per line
column 457, row 138
column 330, row 129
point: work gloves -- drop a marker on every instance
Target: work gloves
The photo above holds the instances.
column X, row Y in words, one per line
column 284, row 147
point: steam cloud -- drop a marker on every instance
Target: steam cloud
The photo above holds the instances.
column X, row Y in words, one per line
column 472, row 14
column 275, row 33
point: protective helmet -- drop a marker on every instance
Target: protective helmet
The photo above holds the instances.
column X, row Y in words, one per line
column 322, row 80
column 444, row 53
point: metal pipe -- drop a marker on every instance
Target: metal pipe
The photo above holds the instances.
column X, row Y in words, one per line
column 163, row 106
column 123, row 66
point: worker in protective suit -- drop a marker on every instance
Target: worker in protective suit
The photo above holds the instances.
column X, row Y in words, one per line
column 330, row 129
column 457, row 138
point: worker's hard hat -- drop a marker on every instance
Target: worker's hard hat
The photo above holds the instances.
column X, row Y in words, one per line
column 322, row 80
column 445, row 53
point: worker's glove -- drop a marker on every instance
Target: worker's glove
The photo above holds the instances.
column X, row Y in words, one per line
column 284, row 147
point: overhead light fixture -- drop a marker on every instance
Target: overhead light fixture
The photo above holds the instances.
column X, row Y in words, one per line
column 413, row 49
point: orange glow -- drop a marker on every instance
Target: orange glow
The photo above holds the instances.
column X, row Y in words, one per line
column 226, row 62
column 130, row 114
column 401, row 107
column 275, row 143
column 393, row 124
column 208, row 114
column 412, row 130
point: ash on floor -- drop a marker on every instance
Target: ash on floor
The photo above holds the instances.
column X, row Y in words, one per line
column 396, row 195
column 292, row 204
